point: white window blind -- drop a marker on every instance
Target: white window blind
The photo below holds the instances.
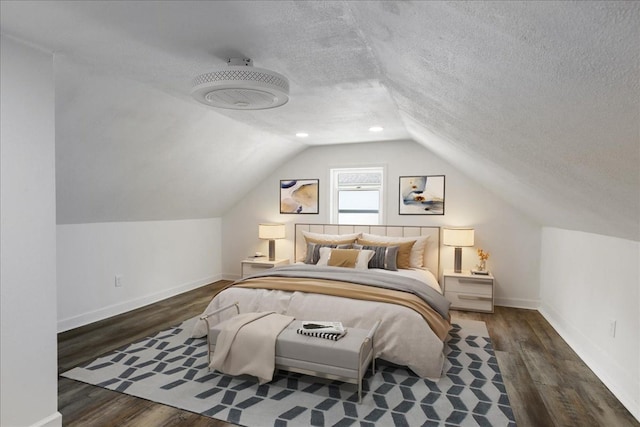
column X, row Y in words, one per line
column 357, row 195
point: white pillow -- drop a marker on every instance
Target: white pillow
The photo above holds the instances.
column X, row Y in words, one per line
column 329, row 238
column 362, row 263
column 416, row 259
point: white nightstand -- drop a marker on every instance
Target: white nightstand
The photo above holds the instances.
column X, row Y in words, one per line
column 468, row 291
column 257, row 265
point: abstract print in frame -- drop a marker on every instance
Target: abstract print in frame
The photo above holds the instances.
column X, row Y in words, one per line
column 299, row 196
column 422, row 195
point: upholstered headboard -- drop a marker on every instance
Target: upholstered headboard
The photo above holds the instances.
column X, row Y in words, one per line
column 431, row 256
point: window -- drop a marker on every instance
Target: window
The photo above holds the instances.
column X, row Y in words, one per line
column 356, row 195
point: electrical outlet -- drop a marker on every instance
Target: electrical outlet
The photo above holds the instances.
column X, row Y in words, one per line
column 612, row 328
column 118, row 281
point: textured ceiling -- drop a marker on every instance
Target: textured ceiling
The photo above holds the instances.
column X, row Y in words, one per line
column 540, row 101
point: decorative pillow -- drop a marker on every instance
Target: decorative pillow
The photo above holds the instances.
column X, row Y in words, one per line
column 416, row 259
column 384, row 257
column 343, row 258
column 313, row 251
column 330, row 239
column 404, row 250
column 350, row 258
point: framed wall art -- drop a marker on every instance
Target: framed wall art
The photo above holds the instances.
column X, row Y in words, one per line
column 422, row 195
column 299, row 196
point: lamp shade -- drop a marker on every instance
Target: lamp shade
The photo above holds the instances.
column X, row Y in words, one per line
column 457, row 237
column 271, row 231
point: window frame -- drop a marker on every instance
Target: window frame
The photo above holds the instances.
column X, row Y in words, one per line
column 334, row 214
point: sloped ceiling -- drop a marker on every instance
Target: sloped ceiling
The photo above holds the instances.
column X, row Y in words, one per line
column 538, row 101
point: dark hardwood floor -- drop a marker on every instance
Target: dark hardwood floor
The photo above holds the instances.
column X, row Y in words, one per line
column 548, row 385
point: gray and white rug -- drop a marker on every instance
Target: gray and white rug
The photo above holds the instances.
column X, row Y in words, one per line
column 171, row 368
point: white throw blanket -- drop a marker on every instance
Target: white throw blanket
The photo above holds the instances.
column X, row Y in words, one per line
column 247, row 345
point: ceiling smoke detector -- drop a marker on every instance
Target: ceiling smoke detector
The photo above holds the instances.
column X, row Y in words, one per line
column 240, row 86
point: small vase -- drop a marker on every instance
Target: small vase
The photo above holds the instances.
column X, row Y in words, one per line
column 482, row 265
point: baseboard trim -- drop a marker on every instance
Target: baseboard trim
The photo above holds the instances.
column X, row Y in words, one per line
column 53, row 420
column 586, row 350
column 123, row 307
column 528, row 304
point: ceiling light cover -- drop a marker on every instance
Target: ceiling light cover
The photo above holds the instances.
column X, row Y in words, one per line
column 240, row 86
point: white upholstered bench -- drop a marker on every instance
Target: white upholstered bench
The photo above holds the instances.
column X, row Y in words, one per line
column 345, row 359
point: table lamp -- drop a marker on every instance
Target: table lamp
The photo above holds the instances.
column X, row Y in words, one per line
column 271, row 232
column 458, row 238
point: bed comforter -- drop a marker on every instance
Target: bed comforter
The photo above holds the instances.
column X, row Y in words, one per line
column 414, row 318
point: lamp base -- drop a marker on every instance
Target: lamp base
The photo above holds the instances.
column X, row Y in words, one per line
column 457, row 260
column 272, row 250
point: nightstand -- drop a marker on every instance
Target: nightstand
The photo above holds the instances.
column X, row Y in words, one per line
column 257, row 265
column 468, row 291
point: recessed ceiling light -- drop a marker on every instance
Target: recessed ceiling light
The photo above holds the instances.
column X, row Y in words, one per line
column 302, row 134
column 376, row 129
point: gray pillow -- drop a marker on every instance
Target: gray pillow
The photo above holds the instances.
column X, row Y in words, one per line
column 384, row 257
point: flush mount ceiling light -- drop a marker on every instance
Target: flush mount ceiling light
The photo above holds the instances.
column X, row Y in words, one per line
column 376, row 129
column 240, row 86
column 302, row 134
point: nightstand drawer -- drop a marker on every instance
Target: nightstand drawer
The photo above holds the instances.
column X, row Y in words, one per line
column 469, row 285
column 468, row 301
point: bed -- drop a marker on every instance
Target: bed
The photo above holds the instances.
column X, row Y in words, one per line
column 321, row 285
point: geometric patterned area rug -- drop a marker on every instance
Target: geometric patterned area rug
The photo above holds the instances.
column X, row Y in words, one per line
column 171, row 368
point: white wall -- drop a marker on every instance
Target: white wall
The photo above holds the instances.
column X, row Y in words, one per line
column 155, row 259
column 587, row 281
column 511, row 238
column 28, row 347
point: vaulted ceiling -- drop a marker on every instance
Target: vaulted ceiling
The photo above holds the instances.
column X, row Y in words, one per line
column 539, row 101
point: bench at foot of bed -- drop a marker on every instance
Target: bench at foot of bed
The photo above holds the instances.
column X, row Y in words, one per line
column 345, row 359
